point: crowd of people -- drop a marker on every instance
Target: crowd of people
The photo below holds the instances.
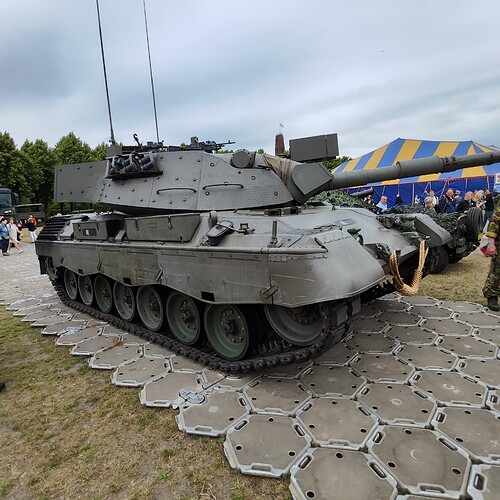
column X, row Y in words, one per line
column 451, row 201
column 11, row 233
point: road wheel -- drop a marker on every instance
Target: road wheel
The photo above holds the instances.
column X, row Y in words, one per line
column 124, row 298
column 228, row 331
column 103, row 292
column 150, row 307
column 184, row 318
column 71, row 284
column 86, row 289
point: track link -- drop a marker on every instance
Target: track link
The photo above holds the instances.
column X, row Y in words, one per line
column 284, row 354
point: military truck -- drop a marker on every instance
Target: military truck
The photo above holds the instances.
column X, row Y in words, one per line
column 34, row 209
column 8, row 200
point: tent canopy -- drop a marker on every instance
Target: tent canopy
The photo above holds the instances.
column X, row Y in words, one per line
column 406, row 149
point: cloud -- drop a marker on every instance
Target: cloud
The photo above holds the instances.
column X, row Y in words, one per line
column 371, row 71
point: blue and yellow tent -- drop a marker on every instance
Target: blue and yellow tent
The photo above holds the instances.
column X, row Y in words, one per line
column 464, row 180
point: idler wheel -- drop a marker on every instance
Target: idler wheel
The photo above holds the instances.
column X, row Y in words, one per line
column 124, row 299
column 227, row 331
column 183, row 316
column 150, row 308
column 297, row 325
column 86, row 289
column 71, row 284
column 103, row 293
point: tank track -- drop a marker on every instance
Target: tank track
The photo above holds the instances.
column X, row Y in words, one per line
column 276, row 353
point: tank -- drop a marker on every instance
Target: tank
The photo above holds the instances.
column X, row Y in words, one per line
column 224, row 258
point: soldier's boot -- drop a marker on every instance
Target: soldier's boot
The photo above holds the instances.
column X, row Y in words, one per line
column 493, row 304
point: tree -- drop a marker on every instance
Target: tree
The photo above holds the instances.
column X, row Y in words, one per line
column 43, row 160
column 71, row 149
column 100, row 152
column 16, row 168
column 330, row 164
column 333, row 164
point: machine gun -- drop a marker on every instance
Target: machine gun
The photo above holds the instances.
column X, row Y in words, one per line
column 208, row 146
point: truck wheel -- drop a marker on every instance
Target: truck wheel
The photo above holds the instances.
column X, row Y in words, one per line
column 474, row 223
column 437, row 260
column 455, row 258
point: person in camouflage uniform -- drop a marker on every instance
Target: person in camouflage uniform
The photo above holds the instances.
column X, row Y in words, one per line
column 491, row 289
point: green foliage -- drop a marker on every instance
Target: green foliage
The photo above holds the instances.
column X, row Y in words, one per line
column 330, row 164
column 100, row 152
column 341, row 198
column 161, row 477
column 333, row 164
column 43, row 160
column 71, row 149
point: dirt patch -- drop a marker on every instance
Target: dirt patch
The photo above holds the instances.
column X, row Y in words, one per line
column 461, row 281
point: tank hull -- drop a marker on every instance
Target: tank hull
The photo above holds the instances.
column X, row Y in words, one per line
column 295, row 277
column 315, row 258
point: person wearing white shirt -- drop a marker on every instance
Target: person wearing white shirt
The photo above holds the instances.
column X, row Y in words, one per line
column 382, row 204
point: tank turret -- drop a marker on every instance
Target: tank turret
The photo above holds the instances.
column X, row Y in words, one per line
column 219, row 257
column 199, row 180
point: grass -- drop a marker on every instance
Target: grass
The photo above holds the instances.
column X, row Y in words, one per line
column 65, row 431
column 461, row 281
column 70, row 433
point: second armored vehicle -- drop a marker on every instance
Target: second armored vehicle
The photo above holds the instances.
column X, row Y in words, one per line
column 462, row 234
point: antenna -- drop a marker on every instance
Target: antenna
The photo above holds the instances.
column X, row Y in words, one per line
column 112, row 138
column 151, row 71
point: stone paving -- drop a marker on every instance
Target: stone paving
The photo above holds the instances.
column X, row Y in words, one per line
column 407, row 406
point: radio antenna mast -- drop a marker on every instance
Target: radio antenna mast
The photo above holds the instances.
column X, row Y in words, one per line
column 112, row 138
column 151, row 72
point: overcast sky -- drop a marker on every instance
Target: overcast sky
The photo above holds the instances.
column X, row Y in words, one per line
column 369, row 70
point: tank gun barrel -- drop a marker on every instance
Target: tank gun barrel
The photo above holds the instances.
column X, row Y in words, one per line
column 412, row 168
